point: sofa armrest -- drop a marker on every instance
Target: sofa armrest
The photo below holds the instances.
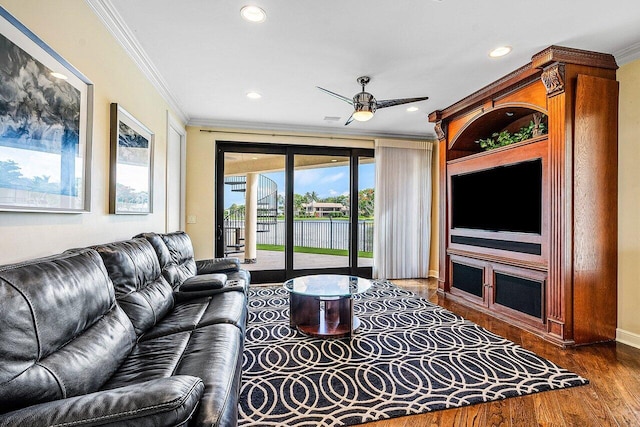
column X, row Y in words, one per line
column 204, row 282
column 217, row 265
column 162, row 402
column 179, row 296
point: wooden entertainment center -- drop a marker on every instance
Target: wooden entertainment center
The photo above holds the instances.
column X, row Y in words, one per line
column 548, row 261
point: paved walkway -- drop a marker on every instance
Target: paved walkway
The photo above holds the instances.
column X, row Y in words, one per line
column 273, row 260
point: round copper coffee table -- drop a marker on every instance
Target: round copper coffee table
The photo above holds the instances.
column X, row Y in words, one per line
column 322, row 305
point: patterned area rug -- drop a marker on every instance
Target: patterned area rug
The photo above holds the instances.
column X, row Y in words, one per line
column 409, row 356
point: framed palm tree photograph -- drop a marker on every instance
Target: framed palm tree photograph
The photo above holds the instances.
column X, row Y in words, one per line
column 131, row 172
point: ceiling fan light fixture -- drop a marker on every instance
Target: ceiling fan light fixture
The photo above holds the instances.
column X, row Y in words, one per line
column 500, row 51
column 412, row 109
column 363, row 115
column 365, row 105
column 253, row 14
column 253, row 95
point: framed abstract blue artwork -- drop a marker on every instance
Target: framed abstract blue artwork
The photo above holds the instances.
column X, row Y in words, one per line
column 45, row 125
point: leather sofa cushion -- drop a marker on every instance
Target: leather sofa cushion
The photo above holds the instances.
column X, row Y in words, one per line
column 202, row 282
column 213, row 353
column 162, row 402
column 61, row 331
column 218, row 265
column 151, row 359
column 175, row 254
column 182, row 264
column 140, row 288
column 227, row 307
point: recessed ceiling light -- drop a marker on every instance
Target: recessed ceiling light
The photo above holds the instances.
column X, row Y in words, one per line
column 254, row 158
column 412, row 109
column 500, row 51
column 253, row 14
column 253, row 95
column 334, row 160
column 59, row 76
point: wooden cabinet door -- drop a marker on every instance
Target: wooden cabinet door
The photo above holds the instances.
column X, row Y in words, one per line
column 469, row 279
column 518, row 293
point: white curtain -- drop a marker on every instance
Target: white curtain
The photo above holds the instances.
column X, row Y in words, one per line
column 402, row 232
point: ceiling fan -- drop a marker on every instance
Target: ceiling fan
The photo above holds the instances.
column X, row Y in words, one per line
column 364, row 104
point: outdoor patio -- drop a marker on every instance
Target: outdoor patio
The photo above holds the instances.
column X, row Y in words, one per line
column 272, row 260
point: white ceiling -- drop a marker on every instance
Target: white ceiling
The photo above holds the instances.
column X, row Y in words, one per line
column 204, row 58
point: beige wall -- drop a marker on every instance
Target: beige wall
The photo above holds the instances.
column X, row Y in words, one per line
column 629, row 205
column 200, row 191
column 76, row 33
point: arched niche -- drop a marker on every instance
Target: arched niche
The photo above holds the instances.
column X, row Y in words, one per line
column 509, row 117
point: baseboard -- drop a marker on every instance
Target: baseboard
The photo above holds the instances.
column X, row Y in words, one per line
column 434, row 273
column 628, row 338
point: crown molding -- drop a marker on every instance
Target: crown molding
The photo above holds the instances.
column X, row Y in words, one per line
column 316, row 130
column 111, row 19
column 628, row 54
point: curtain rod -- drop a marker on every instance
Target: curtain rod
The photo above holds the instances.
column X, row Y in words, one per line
column 291, row 135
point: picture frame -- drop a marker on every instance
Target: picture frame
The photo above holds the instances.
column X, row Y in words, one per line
column 45, row 126
column 131, row 167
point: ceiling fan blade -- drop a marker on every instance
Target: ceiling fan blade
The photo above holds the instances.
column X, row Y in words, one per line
column 344, row 98
column 391, row 102
column 349, row 120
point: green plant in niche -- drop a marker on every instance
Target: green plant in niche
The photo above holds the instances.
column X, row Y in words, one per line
column 499, row 139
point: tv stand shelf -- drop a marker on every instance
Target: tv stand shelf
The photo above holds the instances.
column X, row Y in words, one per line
column 538, row 266
column 528, row 231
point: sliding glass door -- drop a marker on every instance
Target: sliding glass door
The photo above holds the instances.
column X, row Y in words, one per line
column 253, row 217
column 322, row 218
column 366, row 203
column 285, row 211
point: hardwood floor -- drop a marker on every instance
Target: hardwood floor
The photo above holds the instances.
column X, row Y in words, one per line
column 611, row 399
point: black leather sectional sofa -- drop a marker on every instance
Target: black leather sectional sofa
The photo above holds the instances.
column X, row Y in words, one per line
column 132, row 333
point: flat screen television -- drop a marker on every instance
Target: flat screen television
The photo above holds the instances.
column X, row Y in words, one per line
column 504, row 198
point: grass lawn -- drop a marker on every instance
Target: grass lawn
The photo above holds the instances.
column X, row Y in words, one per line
column 306, row 250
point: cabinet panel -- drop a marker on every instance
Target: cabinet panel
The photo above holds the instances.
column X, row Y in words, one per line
column 595, row 213
column 468, row 279
column 515, row 292
column 519, row 292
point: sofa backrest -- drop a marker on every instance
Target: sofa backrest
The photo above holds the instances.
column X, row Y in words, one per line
column 141, row 290
column 175, row 253
column 62, row 332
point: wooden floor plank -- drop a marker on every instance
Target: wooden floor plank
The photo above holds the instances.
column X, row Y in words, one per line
column 497, row 414
column 547, row 409
column 521, row 411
